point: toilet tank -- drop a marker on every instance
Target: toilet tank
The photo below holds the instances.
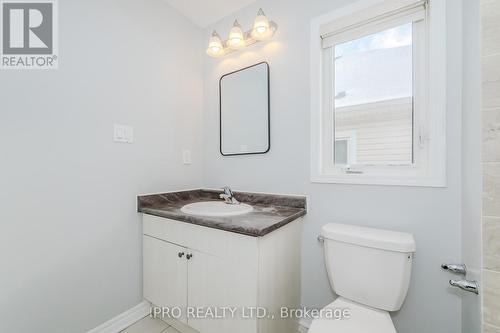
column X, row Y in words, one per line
column 369, row 266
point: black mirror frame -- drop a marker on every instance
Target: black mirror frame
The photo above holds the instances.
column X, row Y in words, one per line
column 268, row 111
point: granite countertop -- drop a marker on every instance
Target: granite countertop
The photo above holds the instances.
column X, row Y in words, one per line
column 270, row 211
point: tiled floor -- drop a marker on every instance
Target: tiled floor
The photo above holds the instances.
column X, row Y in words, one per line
column 150, row 325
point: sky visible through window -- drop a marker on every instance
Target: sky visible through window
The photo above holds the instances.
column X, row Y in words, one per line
column 375, row 68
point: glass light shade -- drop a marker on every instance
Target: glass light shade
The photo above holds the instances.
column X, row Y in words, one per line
column 261, row 28
column 215, row 47
column 236, row 39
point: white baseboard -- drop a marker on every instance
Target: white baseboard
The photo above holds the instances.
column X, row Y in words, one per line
column 141, row 310
column 124, row 320
column 304, row 325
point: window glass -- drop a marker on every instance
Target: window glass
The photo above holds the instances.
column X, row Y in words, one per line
column 341, row 151
column 373, row 83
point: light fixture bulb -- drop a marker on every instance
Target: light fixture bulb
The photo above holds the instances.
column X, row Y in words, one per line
column 261, row 27
column 236, row 39
column 215, row 47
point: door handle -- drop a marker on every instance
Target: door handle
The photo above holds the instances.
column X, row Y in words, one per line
column 189, row 256
column 181, row 254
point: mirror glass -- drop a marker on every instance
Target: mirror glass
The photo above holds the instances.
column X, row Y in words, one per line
column 244, row 111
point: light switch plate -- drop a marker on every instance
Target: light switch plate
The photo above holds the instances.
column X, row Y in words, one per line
column 123, row 133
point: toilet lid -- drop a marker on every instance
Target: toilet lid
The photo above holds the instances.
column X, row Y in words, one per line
column 362, row 319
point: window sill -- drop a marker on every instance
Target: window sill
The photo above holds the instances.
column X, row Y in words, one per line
column 363, row 179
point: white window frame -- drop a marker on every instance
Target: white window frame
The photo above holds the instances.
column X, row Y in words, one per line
column 429, row 149
column 350, row 137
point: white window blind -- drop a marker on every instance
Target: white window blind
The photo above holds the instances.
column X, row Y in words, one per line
column 376, row 18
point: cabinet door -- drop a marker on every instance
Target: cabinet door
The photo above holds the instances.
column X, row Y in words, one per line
column 215, row 283
column 165, row 274
column 206, row 281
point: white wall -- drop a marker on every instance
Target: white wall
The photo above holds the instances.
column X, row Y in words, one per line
column 471, row 162
column 70, row 237
column 70, row 246
column 432, row 215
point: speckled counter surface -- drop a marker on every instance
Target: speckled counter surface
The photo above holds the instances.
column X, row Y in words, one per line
column 270, row 211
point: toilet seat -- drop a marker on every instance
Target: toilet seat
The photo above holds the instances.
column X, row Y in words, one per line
column 362, row 319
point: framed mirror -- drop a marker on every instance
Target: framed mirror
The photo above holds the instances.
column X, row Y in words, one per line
column 245, row 111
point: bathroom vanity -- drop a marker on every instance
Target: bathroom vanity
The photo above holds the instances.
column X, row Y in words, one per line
column 227, row 269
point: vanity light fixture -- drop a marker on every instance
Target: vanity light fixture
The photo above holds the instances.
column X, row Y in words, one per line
column 236, row 39
column 261, row 27
column 262, row 30
column 215, row 46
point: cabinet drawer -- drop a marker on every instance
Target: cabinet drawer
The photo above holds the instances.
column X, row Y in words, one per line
column 208, row 240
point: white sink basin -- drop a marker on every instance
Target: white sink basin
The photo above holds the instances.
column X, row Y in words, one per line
column 215, row 208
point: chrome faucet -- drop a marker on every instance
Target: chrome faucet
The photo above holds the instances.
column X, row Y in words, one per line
column 228, row 196
column 467, row 285
column 455, row 268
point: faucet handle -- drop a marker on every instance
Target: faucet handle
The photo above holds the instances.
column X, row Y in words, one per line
column 455, row 268
column 227, row 191
column 467, row 285
column 228, row 196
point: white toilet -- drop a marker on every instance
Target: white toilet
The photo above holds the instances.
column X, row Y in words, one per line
column 369, row 269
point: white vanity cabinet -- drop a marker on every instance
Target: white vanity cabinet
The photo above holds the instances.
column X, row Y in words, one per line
column 201, row 268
